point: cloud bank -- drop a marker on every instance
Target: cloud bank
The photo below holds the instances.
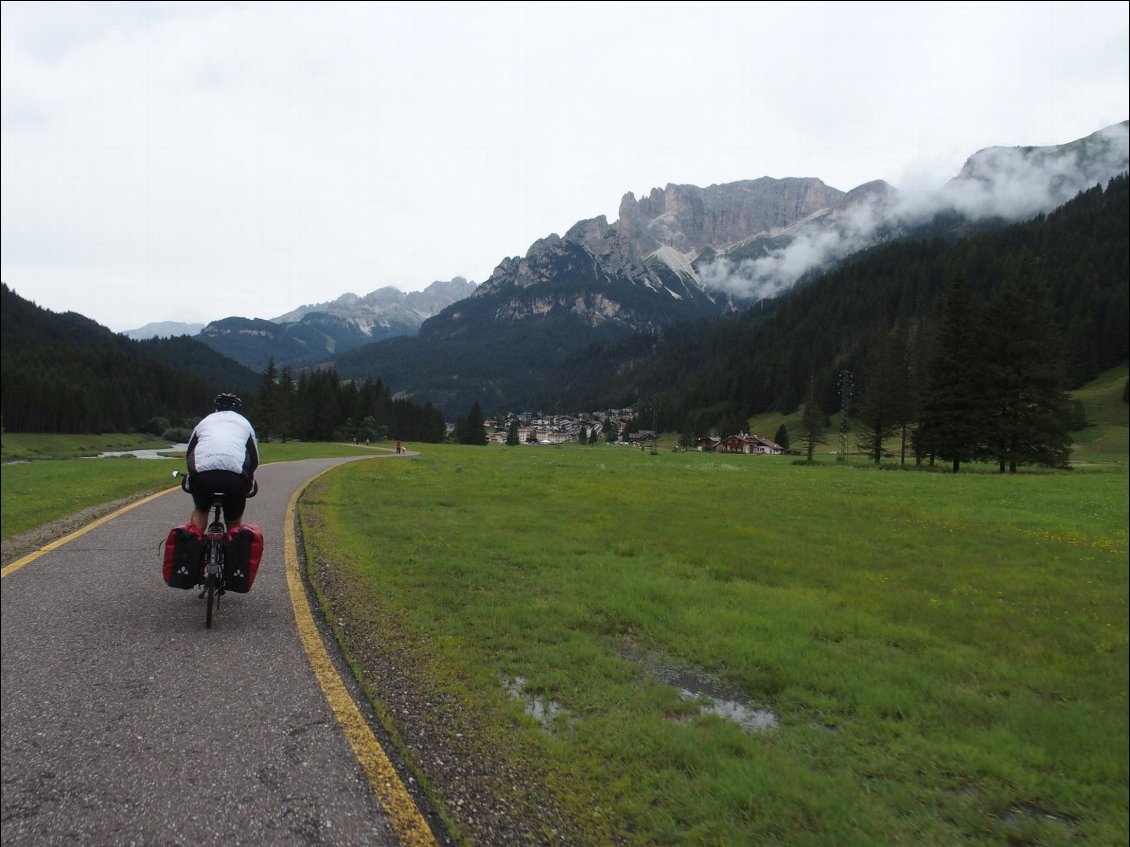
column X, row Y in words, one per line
column 1006, row 183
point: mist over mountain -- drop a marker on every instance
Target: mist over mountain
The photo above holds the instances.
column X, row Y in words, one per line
column 1003, row 184
column 717, row 372
column 683, row 253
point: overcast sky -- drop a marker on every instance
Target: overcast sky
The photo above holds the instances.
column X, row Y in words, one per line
column 190, row 161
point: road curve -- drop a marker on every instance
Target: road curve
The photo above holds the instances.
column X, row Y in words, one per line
column 125, row 721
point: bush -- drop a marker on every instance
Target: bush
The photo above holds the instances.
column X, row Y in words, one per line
column 155, row 426
column 177, row 435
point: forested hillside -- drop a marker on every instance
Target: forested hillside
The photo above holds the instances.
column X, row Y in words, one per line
column 66, row 373
column 702, row 374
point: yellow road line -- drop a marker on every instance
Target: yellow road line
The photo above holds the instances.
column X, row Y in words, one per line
column 55, row 545
column 406, row 820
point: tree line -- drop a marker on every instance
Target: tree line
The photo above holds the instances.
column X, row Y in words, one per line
column 67, row 373
column 317, row 405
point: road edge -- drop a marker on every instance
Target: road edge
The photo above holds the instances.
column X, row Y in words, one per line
column 404, row 816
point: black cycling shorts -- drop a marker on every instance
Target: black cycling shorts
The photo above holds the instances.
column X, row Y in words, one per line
column 206, row 484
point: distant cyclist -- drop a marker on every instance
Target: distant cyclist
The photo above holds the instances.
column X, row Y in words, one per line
column 223, row 454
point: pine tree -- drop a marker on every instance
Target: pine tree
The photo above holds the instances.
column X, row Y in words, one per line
column 879, row 412
column 914, row 373
column 284, row 404
column 512, row 433
column 265, row 402
column 812, row 422
column 953, row 417
column 474, row 430
column 1029, row 410
column 782, row 436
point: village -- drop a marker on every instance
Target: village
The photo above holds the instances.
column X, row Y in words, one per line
column 612, row 427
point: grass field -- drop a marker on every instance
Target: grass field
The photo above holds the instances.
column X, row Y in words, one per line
column 41, row 446
column 37, row 491
column 944, row 657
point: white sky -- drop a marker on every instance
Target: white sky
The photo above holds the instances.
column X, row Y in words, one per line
column 191, row 161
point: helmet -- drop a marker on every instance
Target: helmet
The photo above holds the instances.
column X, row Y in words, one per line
column 226, row 403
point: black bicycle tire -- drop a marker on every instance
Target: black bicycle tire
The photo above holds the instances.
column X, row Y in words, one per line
column 210, row 593
column 210, row 586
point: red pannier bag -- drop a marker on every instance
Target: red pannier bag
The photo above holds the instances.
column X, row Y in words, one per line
column 243, row 549
column 183, row 549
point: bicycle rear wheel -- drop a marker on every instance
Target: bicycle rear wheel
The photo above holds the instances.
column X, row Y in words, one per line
column 210, row 593
column 211, row 584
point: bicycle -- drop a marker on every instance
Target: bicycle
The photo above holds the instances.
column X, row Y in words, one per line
column 213, row 550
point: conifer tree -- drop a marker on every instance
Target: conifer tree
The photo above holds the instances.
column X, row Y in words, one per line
column 953, row 414
column 473, row 430
column 1029, row 411
column 512, row 433
column 284, row 405
column 265, row 402
column 812, row 422
column 879, row 412
column 782, row 436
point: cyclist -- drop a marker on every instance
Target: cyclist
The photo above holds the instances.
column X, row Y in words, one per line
column 223, row 454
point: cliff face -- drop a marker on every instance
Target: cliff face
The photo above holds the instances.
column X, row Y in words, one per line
column 688, row 218
column 653, row 249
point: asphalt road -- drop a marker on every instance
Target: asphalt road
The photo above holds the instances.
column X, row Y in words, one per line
column 125, row 721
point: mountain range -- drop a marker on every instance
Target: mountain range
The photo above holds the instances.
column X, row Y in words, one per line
column 312, row 332
column 684, row 253
column 680, row 253
column 633, row 313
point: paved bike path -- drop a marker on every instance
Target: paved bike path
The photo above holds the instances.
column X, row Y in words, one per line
column 125, row 721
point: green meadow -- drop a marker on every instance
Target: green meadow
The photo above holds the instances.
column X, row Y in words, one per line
column 935, row 658
column 48, row 477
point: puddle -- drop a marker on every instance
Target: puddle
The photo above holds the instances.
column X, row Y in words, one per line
column 712, row 696
column 755, row 720
column 144, row 454
column 543, row 711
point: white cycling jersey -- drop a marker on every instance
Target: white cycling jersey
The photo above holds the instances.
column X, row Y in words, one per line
column 224, row 441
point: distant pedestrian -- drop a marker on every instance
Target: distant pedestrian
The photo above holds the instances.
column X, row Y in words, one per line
column 398, row 448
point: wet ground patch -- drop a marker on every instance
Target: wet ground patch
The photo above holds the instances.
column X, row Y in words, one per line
column 545, row 711
column 712, row 695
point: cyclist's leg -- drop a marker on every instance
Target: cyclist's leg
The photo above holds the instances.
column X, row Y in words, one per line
column 206, row 484
column 202, row 486
column 235, row 500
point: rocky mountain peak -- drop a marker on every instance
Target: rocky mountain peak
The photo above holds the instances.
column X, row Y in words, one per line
column 387, row 305
column 689, row 218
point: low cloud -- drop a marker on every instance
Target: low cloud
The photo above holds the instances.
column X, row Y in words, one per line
column 1012, row 184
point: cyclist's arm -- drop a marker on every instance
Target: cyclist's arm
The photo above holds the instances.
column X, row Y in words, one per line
column 252, row 460
column 191, row 453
